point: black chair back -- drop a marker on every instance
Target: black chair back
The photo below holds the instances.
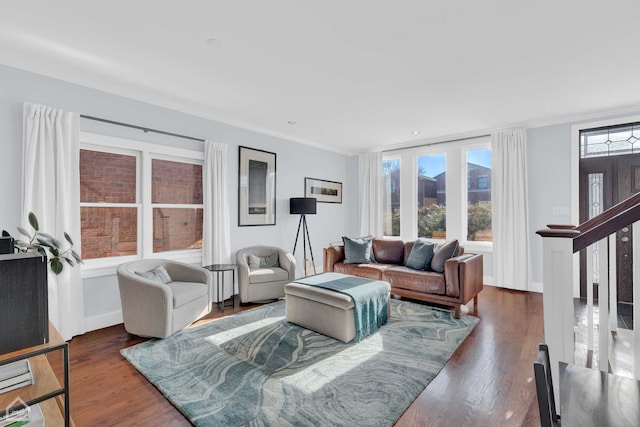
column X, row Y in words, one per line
column 544, row 388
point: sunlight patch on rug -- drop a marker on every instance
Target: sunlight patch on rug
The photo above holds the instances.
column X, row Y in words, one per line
column 320, row 374
column 224, row 336
column 255, row 368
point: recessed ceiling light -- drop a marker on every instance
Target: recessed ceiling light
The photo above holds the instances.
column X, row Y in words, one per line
column 292, row 123
column 215, row 43
column 416, row 132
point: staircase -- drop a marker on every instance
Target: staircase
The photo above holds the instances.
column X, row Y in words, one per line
column 561, row 247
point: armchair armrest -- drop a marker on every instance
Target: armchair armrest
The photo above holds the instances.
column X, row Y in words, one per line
column 464, row 276
column 288, row 263
column 332, row 255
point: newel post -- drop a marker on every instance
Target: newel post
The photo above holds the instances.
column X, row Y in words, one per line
column 557, row 298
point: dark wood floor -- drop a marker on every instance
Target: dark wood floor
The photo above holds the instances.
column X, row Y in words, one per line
column 487, row 382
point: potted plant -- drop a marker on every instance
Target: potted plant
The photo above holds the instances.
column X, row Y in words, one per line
column 48, row 246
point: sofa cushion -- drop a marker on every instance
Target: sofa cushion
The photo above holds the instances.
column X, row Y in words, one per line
column 426, row 282
column 368, row 271
column 272, row 274
column 421, row 255
column 388, row 251
column 442, row 252
column 185, row 292
column 357, row 250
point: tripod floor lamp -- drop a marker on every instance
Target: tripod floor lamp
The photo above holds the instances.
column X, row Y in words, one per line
column 303, row 206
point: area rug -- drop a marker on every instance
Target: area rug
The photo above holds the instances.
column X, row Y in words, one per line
column 255, row 368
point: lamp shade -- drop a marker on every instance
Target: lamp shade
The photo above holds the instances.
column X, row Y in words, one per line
column 302, row 205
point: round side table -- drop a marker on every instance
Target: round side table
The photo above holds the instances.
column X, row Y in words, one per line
column 220, row 269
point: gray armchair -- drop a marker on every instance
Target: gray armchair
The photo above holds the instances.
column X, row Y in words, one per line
column 261, row 283
column 151, row 308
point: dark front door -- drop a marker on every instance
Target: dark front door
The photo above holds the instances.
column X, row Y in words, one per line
column 604, row 182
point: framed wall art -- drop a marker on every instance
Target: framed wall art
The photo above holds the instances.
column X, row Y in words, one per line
column 324, row 191
column 256, row 187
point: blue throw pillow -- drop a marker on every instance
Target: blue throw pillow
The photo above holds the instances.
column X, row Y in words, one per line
column 158, row 274
column 357, row 250
column 442, row 252
column 268, row 261
column 420, row 256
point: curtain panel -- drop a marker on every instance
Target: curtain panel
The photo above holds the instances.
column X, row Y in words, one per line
column 370, row 169
column 51, row 190
column 510, row 217
column 216, row 233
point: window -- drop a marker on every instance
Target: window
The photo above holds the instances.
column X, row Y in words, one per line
column 479, row 195
column 176, row 190
column 432, row 196
column 610, row 140
column 448, row 192
column 137, row 200
column 391, row 197
column 108, row 204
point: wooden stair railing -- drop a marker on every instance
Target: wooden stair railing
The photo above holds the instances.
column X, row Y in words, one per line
column 597, row 228
column 560, row 244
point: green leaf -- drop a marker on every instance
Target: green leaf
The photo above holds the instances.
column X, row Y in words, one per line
column 33, row 220
column 42, row 251
column 24, row 232
column 66, row 236
column 69, row 261
column 76, row 256
column 54, row 251
column 56, row 266
column 45, row 242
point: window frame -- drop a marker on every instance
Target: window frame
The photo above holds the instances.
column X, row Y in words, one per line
column 145, row 153
column 456, row 187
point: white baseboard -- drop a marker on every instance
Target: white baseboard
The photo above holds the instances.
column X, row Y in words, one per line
column 102, row 321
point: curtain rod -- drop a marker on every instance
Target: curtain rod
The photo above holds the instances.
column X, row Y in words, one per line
column 144, row 129
column 436, row 143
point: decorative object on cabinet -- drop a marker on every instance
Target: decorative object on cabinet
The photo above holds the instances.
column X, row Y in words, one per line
column 256, row 187
column 324, row 191
column 42, row 242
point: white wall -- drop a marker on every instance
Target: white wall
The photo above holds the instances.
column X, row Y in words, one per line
column 294, row 163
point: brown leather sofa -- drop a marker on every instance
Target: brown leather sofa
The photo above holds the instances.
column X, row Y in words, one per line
column 461, row 280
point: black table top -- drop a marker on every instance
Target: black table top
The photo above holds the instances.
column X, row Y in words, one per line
column 589, row 397
column 220, row 267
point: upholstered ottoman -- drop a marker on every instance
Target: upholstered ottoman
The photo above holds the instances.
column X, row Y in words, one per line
column 323, row 310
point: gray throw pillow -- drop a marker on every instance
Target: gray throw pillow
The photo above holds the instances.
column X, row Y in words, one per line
column 421, row 255
column 442, row 252
column 357, row 250
column 268, row 261
column 158, row 274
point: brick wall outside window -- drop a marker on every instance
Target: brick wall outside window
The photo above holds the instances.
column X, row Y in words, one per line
column 108, row 178
column 176, row 183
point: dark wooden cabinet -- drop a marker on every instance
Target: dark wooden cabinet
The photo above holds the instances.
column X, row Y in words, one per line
column 24, row 313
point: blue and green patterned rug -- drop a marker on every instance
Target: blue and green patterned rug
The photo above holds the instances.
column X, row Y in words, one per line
column 255, row 368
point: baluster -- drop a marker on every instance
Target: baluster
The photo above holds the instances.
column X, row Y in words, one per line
column 636, row 301
column 603, row 308
column 589, row 285
column 613, row 280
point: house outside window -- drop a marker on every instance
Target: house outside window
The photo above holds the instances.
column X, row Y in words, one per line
column 450, row 185
column 138, row 200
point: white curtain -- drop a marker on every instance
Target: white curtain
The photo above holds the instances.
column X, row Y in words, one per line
column 370, row 166
column 51, row 190
column 216, row 233
column 511, row 253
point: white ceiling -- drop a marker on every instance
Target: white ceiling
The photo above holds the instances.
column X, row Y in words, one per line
column 355, row 75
